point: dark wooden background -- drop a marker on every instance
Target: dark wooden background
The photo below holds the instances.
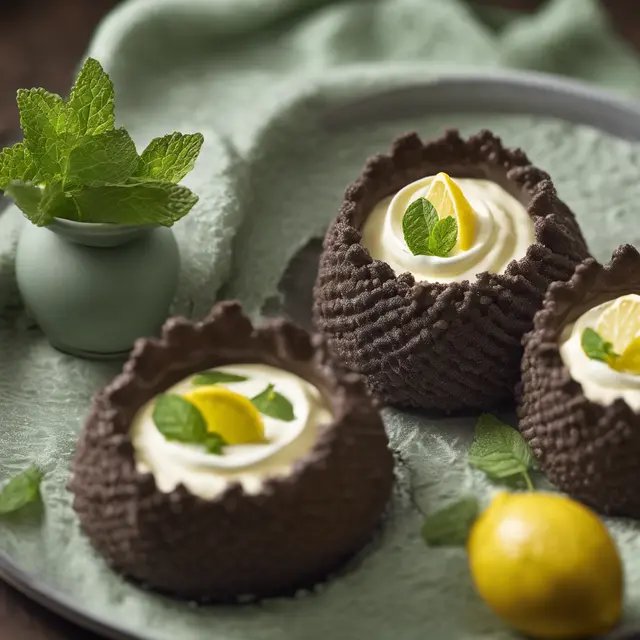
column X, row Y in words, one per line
column 41, row 41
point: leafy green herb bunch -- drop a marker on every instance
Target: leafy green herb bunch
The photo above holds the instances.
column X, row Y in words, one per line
column 74, row 164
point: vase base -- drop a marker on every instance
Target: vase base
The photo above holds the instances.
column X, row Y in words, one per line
column 90, row 355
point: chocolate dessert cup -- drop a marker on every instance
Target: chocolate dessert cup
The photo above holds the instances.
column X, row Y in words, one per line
column 293, row 533
column 431, row 345
column 587, row 449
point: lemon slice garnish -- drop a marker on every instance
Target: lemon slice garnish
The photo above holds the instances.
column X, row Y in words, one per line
column 447, row 198
column 619, row 324
column 629, row 361
column 228, row 413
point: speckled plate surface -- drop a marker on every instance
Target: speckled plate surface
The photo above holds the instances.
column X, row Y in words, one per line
column 513, row 93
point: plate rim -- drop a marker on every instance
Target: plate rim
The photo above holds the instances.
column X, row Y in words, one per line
column 58, row 602
column 567, row 91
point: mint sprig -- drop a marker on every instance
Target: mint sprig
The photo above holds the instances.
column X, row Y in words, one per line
column 417, row 224
column 500, row 451
column 450, row 526
column 443, row 237
column 596, row 348
column 214, row 443
column 425, row 234
column 273, row 404
column 16, row 163
column 169, row 158
column 216, row 377
column 20, row 490
column 91, row 102
column 179, row 420
column 109, row 157
column 74, row 163
column 149, row 202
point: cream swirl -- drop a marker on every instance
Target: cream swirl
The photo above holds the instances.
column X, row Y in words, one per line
column 503, row 232
column 600, row 383
column 205, row 475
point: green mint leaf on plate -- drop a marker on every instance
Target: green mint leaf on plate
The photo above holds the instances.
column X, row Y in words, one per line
column 273, row 404
column 178, row 419
column 595, row 347
column 214, row 443
column 500, row 451
column 417, row 224
column 27, row 197
column 20, row 491
column 443, row 237
column 216, row 377
column 16, row 163
column 43, row 118
column 109, row 157
column 91, row 103
column 170, row 158
column 450, row 526
column 148, row 202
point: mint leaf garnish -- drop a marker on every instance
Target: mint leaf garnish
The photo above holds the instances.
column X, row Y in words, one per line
column 28, row 196
column 417, row 224
column 91, row 103
column 214, row 443
column 596, row 348
column 85, row 168
column 425, row 234
column 500, row 451
column 42, row 118
column 56, row 203
column 136, row 203
column 273, row 404
column 450, row 526
column 170, row 158
column 216, row 377
column 16, row 163
column 109, row 157
column 178, row 419
column 443, row 237
column 20, row 491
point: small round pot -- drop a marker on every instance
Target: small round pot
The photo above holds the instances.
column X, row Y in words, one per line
column 588, row 450
column 95, row 288
column 294, row 532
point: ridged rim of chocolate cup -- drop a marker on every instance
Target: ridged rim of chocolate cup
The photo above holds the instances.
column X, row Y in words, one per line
column 404, row 335
column 301, row 527
column 586, row 449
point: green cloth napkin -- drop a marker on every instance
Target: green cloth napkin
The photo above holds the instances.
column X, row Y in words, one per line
column 235, row 66
column 257, row 78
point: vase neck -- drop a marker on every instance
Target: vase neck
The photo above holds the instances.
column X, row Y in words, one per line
column 97, row 234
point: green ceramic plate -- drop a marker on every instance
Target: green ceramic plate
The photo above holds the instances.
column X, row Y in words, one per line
column 385, row 592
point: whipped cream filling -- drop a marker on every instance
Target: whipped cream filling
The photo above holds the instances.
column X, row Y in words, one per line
column 503, row 232
column 205, row 475
column 600, row 383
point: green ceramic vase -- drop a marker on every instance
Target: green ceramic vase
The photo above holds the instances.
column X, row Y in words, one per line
column 95, row 288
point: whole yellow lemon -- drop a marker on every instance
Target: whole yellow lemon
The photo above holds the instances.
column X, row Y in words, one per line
column 546, row 565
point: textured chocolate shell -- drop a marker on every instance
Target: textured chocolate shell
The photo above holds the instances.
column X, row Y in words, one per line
column 438, row 346
column 587, row 450
column 291, row 535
